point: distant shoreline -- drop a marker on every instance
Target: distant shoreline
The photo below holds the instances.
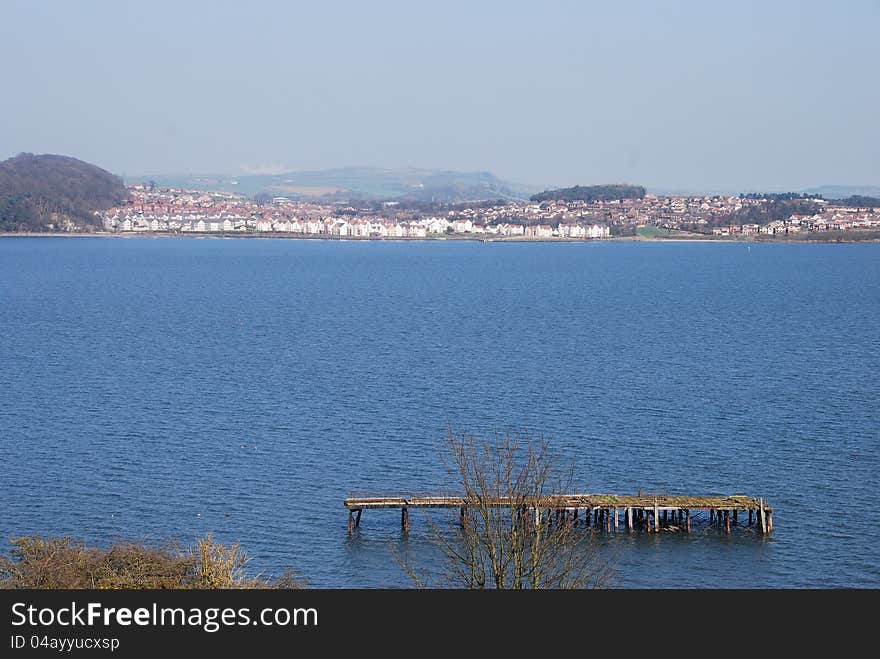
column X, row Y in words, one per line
column 452, row 238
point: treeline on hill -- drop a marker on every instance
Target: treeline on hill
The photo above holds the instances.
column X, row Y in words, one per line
column 854, row 201
column 45, row 192
column 768, row 211
column 36, row 562
column 592, row 193
column 858, row 201
column 779, row 196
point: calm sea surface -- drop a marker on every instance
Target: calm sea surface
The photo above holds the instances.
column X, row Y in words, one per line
column 164, row 388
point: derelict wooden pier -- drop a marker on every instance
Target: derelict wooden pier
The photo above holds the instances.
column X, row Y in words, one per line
column 606, row 512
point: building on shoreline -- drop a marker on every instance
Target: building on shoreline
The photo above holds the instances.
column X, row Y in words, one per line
column 186, row 211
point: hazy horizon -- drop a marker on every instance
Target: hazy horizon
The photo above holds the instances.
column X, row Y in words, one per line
column 679, row 96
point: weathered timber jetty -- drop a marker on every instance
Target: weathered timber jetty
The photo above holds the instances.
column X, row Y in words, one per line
column 607, row 512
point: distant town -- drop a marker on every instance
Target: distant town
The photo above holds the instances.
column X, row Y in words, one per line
column 151, row 209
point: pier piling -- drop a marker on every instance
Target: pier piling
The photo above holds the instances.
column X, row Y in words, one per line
column 600, row 511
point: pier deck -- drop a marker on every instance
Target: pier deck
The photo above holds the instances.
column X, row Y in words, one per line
column 600, row 510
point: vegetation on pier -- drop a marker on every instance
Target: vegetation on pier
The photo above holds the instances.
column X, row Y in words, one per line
column 49, row 563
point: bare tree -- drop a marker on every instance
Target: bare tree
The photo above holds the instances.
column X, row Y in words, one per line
column 512, row 535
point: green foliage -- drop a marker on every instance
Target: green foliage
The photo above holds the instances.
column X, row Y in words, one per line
column 49, row 563
column 592, row 193
column 655, row 232
column 38, row 193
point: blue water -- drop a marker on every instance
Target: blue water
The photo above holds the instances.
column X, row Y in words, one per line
column 164, row 388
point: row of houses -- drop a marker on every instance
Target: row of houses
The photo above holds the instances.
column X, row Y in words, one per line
column 804, row 224
column 345, row 228
column 191, row 211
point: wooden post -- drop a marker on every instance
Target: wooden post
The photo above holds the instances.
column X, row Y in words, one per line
column 616, row 520
column 656, row 517
column 350, row 522
column 629, row 518
column 770, row 522
column 750, row 516
column 687, row 518
column 404, row 519
column 735, row 511
column 727, row 522
column 761, row 516
column 357, row 519
column 711, row 516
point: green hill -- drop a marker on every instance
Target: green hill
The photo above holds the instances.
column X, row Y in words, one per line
column 50, row 192
column 592, row 193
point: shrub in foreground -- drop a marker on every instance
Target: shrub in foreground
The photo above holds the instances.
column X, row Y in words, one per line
column 48, row 563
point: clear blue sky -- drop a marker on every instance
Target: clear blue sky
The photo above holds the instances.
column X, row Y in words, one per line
column 698, row 95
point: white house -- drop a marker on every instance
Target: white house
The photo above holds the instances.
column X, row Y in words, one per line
column 437, row 225
column 462, row 226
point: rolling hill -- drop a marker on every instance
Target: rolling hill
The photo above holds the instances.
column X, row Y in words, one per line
column 52, row 192
column 411, row 184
